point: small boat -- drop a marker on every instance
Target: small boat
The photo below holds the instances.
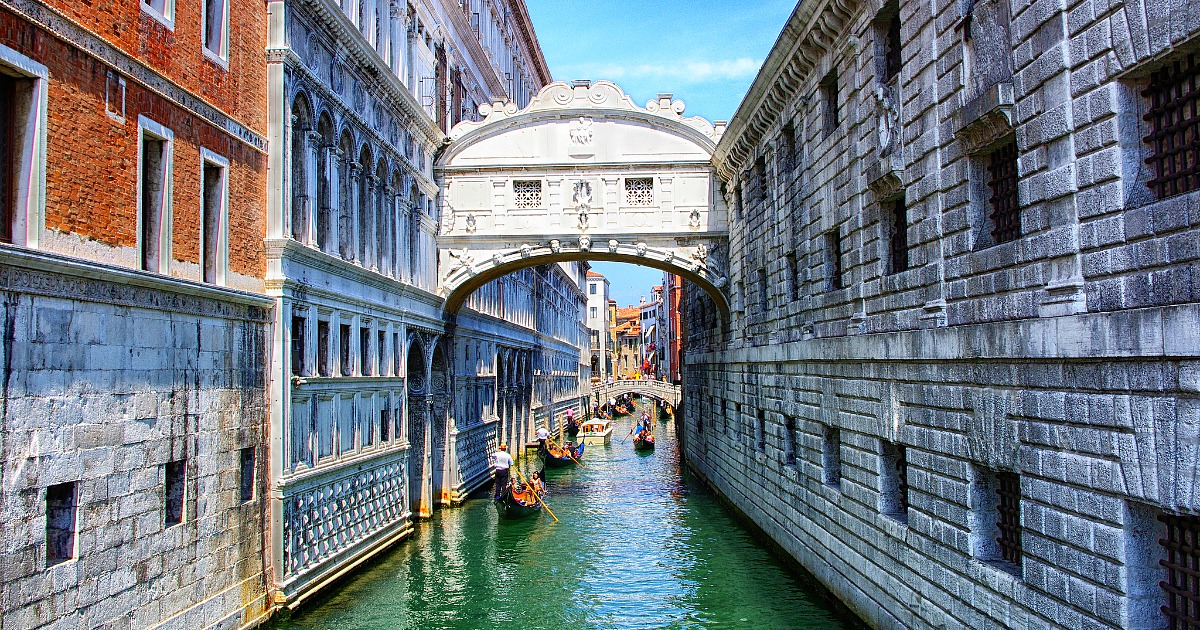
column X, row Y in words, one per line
column 560, row 457
column 596, row 432
column 517, row 503
column 572, row 428
column 643, row 442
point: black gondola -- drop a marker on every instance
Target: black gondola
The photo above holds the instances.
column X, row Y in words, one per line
column 559, row 457
column 643, row 442
column 572, row 428
column 517, row 503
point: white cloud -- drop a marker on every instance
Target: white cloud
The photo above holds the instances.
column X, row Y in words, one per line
column 685, row 71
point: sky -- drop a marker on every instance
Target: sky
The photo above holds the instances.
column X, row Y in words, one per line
column 705, row 52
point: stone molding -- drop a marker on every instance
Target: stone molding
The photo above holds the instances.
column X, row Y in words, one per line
column 54, row 275
column 986, row 118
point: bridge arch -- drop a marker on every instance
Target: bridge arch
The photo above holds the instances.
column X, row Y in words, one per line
column 581, row 173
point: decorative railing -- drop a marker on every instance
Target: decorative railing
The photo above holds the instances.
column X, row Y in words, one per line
column 475, row 445
column 324, row 515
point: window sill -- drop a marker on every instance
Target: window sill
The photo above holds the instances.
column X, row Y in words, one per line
column 167, row 22
column 222, row 62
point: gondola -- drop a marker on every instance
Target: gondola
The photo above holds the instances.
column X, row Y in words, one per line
column 572, row 428
column 645, row 443
column 558, row 457
column 515, row 504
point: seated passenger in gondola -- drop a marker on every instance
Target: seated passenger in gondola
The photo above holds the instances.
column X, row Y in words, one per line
column 537, row 483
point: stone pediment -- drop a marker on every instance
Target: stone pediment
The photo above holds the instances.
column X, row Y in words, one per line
column 986, row 118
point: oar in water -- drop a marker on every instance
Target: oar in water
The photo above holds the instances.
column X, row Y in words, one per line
column 534, row 492
column 568, row 452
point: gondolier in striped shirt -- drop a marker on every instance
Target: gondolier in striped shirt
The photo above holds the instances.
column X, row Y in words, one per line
column 502, row 461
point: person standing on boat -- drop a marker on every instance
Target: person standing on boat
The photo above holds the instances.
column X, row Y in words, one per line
column 502, row 462
column 542, row 434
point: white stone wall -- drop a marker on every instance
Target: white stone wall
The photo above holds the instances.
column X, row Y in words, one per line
column 1066, row 356
column 108, row 375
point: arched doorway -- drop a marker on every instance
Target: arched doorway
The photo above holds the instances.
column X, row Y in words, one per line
column 417, row 428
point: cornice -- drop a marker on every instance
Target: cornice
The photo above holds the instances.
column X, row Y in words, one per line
column 521, row 12
column 814, row 28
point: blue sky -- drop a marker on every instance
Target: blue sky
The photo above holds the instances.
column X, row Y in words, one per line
column 705, row 52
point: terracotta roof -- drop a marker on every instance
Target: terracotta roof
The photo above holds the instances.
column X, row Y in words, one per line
column 593, row 274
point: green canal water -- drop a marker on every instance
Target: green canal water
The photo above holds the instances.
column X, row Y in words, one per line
column 641, row 544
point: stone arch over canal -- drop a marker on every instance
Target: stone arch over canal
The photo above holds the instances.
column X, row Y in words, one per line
column 581, row 173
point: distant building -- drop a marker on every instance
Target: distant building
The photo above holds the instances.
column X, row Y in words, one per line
column 629, row 341
column 600, row 342
column 672, row 326
column 650, row 317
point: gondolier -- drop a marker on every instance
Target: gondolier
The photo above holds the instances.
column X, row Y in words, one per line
column 543, row 434
column 502, row 461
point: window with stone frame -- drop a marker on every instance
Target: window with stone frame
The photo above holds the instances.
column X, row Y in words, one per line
column 833, row 260
column 299, row 367
column 8, row 156
column 764, row 291
column 760, row 431
column 1180, row 564
column 62, row 512
column 831, row 455
column 154, row 196
column 995, row 518
column 830, row 105
column 896, row 215
column 786, row 154
column 1173, row 118
column 527, row 193
column 216, row 28
column 174, row 492
column 639, row 191
column 364, row 351
column 760, row 179
column 789, row 441
column 323, row 347
column 889, row 45
column 161, row 10
column 1003, row 203
column 344, row 350
column 246, row 474
column 893, row 480
column 214, row 218
column 792, row 276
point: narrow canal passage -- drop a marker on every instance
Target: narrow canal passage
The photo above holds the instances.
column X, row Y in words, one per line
column 640, row 545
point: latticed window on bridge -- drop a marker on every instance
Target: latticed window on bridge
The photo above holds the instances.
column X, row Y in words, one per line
column 1002, row 180
column 1181, row 560
column 1008, row 509
column 639, row 191
column 527, row 193
column 1174, row 120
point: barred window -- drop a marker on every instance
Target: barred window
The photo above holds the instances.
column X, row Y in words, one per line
column 1008, row 509
column 1174, row 117
column 898, row 237
column 892, row 46
column 527, row 194
column 1181, row 560
column 639, row 191
column 1002, row 180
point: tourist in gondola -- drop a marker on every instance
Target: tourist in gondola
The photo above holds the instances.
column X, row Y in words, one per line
column 502, row 462
column 537, row 482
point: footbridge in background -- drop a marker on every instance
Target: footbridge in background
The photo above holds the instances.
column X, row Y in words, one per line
column 662, row 390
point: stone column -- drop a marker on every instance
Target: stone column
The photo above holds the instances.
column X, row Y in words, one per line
column 349, row 215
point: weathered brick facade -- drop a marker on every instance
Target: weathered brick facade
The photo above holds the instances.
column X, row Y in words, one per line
column 875, row 384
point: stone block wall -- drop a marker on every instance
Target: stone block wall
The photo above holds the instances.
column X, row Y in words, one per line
column 1061, row 358
column 110, row 380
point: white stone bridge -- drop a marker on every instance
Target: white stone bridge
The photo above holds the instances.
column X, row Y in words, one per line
column 581, row 173
column 661, row 390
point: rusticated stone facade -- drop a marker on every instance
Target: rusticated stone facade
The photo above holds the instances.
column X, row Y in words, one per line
column 959, row 379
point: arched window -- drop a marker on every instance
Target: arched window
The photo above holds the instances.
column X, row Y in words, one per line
column 301, row 204
column 346, row 174
column 366, row 213
column 325, row 201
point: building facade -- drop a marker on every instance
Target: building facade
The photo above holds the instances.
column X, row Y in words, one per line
column 672, row 326
column 132, row 216
column 380, row 413
column 958, row 379
column 600, row 341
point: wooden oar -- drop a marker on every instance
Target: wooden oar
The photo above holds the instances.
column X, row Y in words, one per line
column 535, row 494
column 568, row 452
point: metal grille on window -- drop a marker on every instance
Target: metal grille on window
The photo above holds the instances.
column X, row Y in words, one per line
column 527, row 194
column 891, row 58
column 1008, row 490
column 902, row 477
column 899, row 237
column 1182, row 562
column 639, row 191
column 1002, row 179
column 1174, row 118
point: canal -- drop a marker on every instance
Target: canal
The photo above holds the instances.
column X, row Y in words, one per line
column 641, row 544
